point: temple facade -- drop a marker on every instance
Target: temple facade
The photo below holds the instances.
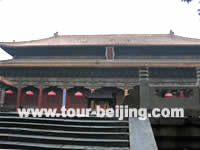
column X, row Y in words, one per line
column 79, row 71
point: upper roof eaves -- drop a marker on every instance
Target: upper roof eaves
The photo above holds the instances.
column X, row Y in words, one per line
column 115, row 39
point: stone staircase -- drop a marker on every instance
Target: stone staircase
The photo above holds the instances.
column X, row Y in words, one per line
column 63, row 133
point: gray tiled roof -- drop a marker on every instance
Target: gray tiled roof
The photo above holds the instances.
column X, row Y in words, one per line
column 116, row 39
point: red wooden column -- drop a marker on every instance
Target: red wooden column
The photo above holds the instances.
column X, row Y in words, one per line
column 18, row 96
column 66, row 104
column 40, row 97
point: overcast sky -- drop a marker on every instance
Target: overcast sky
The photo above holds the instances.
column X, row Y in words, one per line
column 22, row 20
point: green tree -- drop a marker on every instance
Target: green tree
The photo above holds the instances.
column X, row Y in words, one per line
column 188, row 1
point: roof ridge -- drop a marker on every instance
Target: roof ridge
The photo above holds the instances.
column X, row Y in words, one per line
column 107, row 39
column 84, row 35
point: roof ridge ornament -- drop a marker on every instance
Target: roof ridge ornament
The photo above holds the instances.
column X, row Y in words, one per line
column 55, row 34
column 171, row 33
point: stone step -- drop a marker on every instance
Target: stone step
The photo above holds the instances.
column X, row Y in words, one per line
column 29, row 145
column 64, row 140
column 15, row 114
column 74, row 121
column 60, row 133
column 64, row 127
column 63, row 133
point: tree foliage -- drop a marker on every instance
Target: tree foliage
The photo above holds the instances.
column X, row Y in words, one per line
column 188, row 1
